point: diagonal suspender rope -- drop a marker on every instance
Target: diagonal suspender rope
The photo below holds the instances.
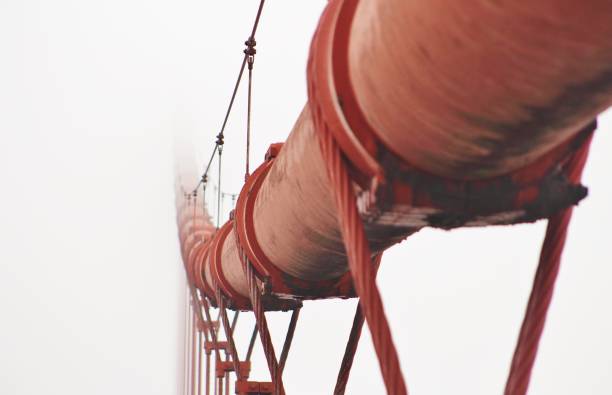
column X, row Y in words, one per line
column 360, row 264
column 288, row 339
column 228, row 333
column 213, row 333
column 251, row 344
column 543, row 286
column 235, row 320
column 262, row 325
column 351, row 345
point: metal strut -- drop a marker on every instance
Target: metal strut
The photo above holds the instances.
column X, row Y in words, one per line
column 352, row 343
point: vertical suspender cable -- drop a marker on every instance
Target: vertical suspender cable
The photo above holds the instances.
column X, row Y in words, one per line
column 250, row 52
column 543, row 285
column 193, row 349
column 220, row 150
column 186, row 346
column 199, row 364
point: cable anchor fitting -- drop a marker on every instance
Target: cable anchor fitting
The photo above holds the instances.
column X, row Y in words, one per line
column 250, row 51
column 220, row 141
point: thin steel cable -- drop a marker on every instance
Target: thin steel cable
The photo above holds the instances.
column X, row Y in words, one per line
column 248, row 134
column 251, row 61
column 236, row 86
column 257, row 17
column 204, row 181
column 219, row 190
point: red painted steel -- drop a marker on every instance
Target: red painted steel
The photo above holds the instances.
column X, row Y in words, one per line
column 429, row 114
column 479, row 89
column 294, row 224
column 362, row 268
column 543, row 286
column 254, row 388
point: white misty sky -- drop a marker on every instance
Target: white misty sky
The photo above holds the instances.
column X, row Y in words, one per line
column 92, row 95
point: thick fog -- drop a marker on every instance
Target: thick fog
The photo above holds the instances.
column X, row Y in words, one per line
column 93, row 95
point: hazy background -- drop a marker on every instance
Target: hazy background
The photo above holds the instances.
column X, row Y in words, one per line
column 91, row 290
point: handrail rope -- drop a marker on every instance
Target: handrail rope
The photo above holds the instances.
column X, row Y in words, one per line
column 543, row 285
column 352, row 343
column 234, row 92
